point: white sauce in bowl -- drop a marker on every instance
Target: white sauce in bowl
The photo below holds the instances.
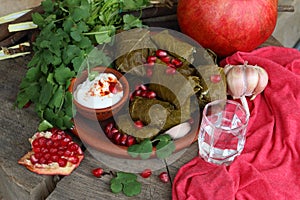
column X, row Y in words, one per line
column 102, row 92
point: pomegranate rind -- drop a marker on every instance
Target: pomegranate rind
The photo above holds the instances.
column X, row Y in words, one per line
column 52, row 168
column 47, row 169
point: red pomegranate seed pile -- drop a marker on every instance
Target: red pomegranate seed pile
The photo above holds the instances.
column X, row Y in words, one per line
column 172, row 63
column 58, row 148
column 117, row 137
column 143, row 91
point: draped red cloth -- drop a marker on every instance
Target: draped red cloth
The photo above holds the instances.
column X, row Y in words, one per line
column 269, row 166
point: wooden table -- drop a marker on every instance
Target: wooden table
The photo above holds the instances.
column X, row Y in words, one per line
column 16, row 182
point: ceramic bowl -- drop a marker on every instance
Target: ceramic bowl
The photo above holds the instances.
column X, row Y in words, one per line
column 103, row 113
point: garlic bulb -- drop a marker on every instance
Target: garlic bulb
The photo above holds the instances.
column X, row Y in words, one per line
column 245, row 80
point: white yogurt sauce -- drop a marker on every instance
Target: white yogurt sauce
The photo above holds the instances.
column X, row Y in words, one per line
column 102, row 92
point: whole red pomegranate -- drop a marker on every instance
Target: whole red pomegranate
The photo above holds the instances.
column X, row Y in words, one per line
column 227, row 26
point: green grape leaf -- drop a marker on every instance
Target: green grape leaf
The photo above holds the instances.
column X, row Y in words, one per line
column 143, row 149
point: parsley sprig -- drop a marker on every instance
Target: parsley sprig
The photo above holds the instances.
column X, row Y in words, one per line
column 69, row 30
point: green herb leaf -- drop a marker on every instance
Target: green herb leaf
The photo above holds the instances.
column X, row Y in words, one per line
column 126, row 182
column 132, row 188
column 131, row 21
column 165, row 146
column 144, row 149
column 116, row 186
column 62, row 74
column 44, row 125
column 37, row 19
column 48, row 5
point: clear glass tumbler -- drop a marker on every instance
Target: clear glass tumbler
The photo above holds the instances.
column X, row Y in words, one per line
column 222, row 131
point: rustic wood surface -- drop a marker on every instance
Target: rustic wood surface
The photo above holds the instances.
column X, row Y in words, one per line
column 16, row 182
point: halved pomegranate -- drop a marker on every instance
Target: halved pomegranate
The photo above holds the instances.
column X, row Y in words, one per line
column 53, row 153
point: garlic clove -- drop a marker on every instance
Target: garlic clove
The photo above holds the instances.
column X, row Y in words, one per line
column 236, row 81
column 227, row 68
column 179, row 130
column 262, row 81
column 252, row 77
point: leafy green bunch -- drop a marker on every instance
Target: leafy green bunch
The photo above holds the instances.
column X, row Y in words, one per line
column 69, row 31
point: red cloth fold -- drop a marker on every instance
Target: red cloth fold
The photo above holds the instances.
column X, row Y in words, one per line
column 269, row 166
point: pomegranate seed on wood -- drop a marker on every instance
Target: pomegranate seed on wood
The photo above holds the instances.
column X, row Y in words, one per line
column 146, row 173
column 98, row 172
column 164, row 177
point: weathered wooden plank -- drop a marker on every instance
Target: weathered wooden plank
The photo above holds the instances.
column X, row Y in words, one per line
column 16, row 126
column 81, row 184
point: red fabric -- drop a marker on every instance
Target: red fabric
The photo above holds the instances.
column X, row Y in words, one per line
column 269, row 166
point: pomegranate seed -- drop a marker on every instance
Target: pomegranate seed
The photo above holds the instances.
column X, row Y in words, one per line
column 160, row 53
column 53, row 150
column 170, row 71
column 149, row 72
column 56, row 136
column 215, row 78
column 146, row 173
column 165, row 59
column 123, row 139
column 143, row 87
column 44, row 150
column 113, row 88
column 171, row 65
column 144, row 93
column 130, row 141
column 36, row 149
column 62, row 162
column 178, row 63
column 79, row 151
column 42, row 141
column 67, row 153
column 33, row 159
column 60, row 152
column 73, row 147
column 151, row 94
column 116, row 138
column 42, row 160
column 73, row 159
column 164, row 177
column 35, row 143
column 98, row 172
column 149, row 64
column 108, row 127
column 139, row 124
column 49, row 143
column 38, row 155
column 47, row 156
column 137, row 93
column 54, row 158
column 54, row 130
column 65, row 141
column 151, row 59
column 56, row 144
